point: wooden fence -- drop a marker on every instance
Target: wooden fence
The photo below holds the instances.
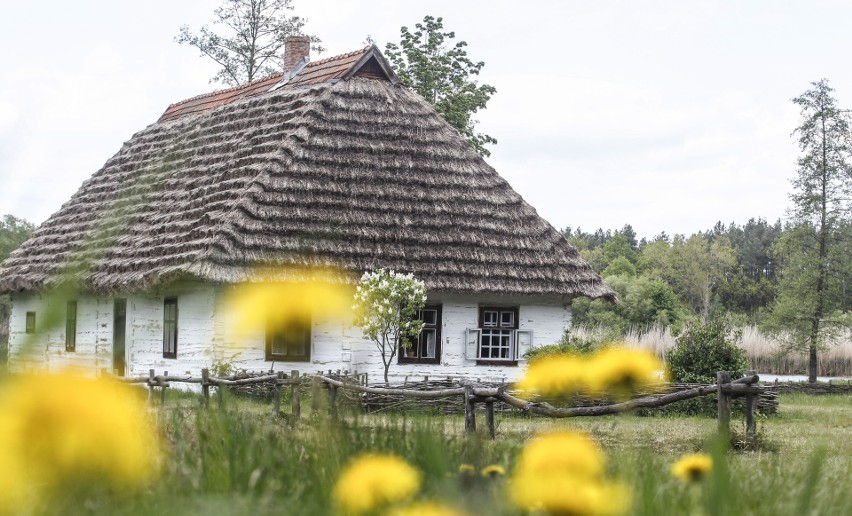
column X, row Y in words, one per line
column 469, row 392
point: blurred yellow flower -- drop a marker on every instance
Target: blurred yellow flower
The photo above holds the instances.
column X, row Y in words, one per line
column 562, row 473
column 371, row 481
column 309, row 295
column 62, row 429
column 621, row 371
column 467, row 469
column 693, row 467
column 569, row 495
column 558, row 452
column 556, row 375
column 493, row 470
column 426, row 509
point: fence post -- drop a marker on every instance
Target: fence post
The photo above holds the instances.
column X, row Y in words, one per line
column 163, row 385
column 276, row 400
column 205, row 387
column 315, row 388
column 151, row 380
column 295, row 395
column 489, row 417
column 751, row 401
column 723, row 378
column 469, row 407
column 332, row 400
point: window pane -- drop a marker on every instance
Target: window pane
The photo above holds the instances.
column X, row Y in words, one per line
column 30, row 326
column 427, row 342
column 507, row 319
column 489, row 319
column 429, row 317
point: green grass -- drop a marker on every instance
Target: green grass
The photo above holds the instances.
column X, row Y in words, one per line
column 234, row 459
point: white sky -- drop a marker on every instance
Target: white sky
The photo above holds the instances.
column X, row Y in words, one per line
column 668, row 115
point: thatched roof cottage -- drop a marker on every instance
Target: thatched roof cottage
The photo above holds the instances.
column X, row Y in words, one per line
column 331, row 163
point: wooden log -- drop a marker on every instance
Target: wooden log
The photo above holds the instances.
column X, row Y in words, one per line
column 546, row 409
column 163, row 386
column 724, row 417
column 469, row 410
column 489, row 417
column 404, row 392
column 205, row 387
column 295, row 396
column 751, row 401
column 276, row 397
column 315, row 388
column 152, row 379
column 332, row 401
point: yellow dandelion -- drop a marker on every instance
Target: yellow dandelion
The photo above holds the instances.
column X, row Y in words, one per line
column 556, row 375
column 621, row 371
column 371, row 481
column 467, row 469
column 62, row 429
column 494, row 470
column 426, row 509
column 693, row 467
column 288, row 296
column 559, row 452
column 565, row 493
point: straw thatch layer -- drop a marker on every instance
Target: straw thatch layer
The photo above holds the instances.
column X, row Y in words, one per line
column 358, row 174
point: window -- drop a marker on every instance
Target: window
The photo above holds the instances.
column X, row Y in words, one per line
column 71, row 326
column 497, row 336
column 289, row 341
column 170, row 327
column 497, row 340
column 30, row 327
column 426, row 348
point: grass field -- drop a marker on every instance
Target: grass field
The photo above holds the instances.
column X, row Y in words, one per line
column 235, row 460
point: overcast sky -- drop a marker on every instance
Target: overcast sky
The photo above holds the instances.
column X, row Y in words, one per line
column 669, row 116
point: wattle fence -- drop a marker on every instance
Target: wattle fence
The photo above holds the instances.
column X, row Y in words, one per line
column 468, row 393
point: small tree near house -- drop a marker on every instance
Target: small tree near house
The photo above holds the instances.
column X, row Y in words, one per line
column 386, row 307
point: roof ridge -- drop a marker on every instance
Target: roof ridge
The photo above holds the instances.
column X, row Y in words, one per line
column 268, row 77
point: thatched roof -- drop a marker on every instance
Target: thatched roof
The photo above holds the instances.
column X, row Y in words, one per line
column 355, row 172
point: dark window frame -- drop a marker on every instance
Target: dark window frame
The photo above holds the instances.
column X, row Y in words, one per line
column 71, row 326
column 30, row 324
column 306, row 324
column 170, row 327
column 402, row 353
column 499, row 326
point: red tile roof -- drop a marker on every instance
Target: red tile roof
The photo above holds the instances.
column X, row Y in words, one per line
column 313, row 73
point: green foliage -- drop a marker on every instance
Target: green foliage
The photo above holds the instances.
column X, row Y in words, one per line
column 386, row 308
column 568, row 344
column 620, row 266
column 443, row 76
column 643, row 303
column 13, row 232
column 253, row 42
column 705, row 349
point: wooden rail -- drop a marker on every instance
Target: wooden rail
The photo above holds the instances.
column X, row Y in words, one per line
column 471, row 393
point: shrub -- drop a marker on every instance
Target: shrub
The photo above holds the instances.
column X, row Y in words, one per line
column 705, row 349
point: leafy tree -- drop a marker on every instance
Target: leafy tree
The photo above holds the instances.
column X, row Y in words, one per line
column 620, row 266
column 443, row 76
column 387, row 304
column 13, row 232
column 251, row 46
column 815, row 249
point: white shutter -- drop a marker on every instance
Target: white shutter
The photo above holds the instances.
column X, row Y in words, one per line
column 471, row 343
column 523, row 343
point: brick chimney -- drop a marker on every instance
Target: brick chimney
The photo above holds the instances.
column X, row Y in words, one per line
column 296, row 48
